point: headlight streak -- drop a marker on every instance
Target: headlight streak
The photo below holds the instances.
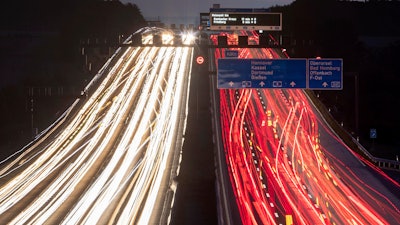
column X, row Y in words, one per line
column 139, row 156
column 169, row 111
column 145, row 120
column 53, row 163
column 88, row 201
column 25, row 150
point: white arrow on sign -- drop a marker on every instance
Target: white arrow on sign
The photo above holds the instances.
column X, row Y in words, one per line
column 292, row 84
column 262, row 83
column 324, row 84
column 231, row 83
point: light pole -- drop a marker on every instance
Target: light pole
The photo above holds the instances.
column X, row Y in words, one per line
column 356, row 100
column 32, row 125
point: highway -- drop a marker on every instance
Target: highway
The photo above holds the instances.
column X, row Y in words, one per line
column 114, row 154
column 286, row 166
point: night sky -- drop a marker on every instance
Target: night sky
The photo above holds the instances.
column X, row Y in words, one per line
column 187, row 11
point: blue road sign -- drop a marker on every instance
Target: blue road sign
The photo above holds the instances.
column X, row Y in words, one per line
column 231, row 53
column 325, row 74
column 372, row 133
column 261, row 73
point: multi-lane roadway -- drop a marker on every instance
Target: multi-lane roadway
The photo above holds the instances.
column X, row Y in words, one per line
column 286, row 166
column 113, row 156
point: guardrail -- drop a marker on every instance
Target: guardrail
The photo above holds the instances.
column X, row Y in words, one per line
column 380, row 162
column 350, row 140
column 388, row 164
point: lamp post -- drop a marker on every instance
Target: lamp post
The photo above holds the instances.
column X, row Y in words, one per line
column 356, row 100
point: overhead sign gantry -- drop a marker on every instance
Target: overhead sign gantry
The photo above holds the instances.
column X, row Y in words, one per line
column 245, row 19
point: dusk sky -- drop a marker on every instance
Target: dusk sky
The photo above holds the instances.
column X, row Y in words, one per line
column 187, row 11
